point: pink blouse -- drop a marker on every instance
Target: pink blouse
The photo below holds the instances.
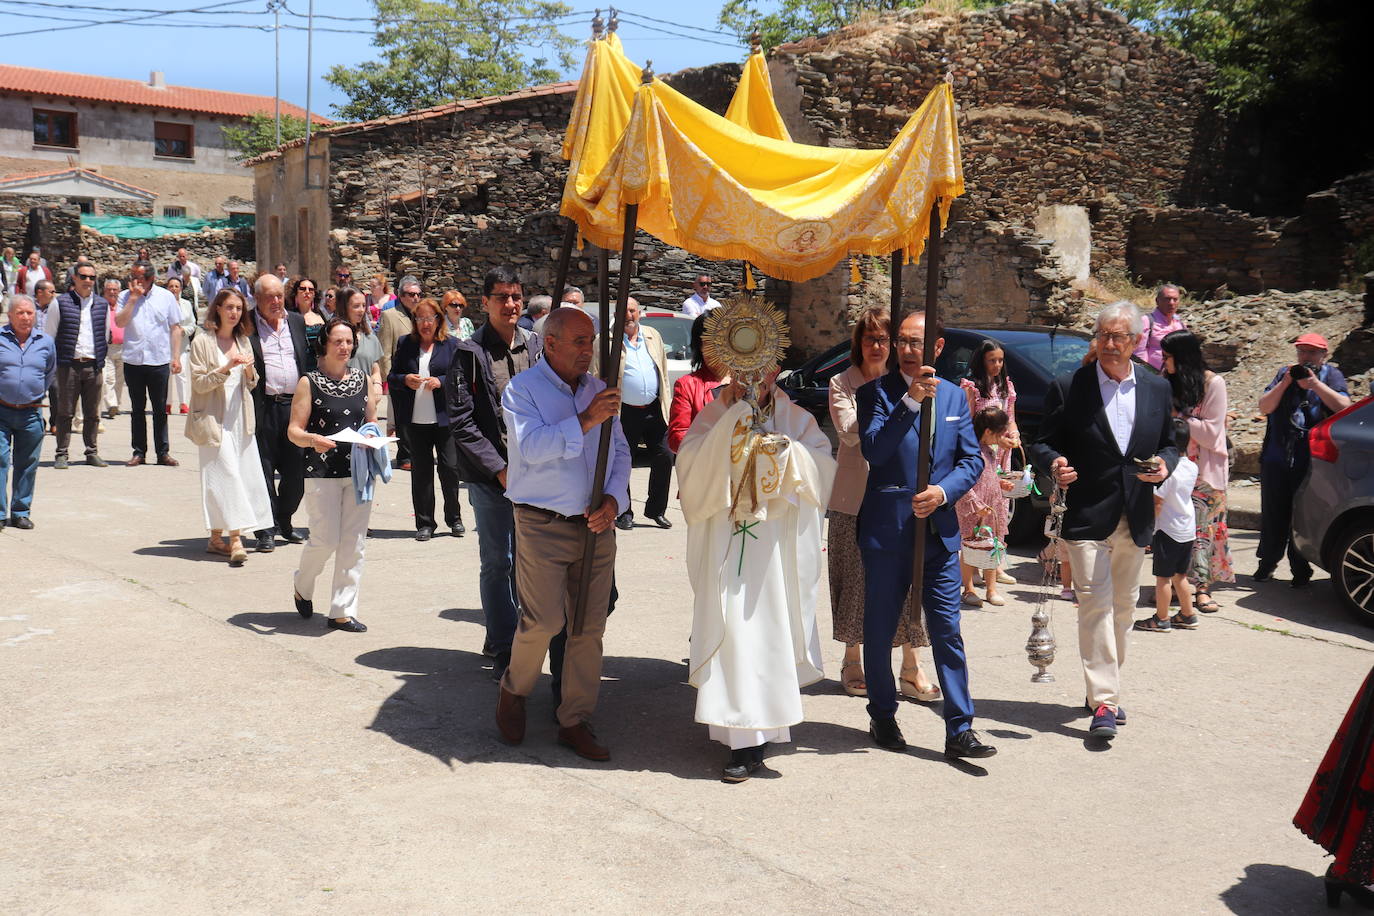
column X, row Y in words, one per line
column 1207, row 427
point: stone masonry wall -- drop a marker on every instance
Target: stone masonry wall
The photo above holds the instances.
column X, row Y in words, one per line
column 112, row 256
column 1059, row 103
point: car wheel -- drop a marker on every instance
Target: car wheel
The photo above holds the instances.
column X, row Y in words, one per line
column 1353, row 571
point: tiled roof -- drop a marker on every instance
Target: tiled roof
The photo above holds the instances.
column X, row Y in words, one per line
column 21, row 178
column 58, row 84
column 566, row 87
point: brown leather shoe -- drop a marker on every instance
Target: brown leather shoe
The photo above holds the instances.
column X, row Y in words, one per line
column 167, row 461
column 134, row 461
column 510, row 717
column 582, row 740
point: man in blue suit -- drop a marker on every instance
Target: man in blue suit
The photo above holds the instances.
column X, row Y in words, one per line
column 889, row 420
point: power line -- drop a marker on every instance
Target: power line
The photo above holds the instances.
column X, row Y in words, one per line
column 439, row 20
column 680, row 25
column 729, row 44
column 153, row 15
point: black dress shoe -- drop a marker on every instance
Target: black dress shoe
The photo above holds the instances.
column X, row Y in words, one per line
column 744, row 762
column 348, row 625
column 661, row 521
column 291, row 536
column 457, row 530
column 1263, row 574
column 886, row 734
column 22, row 522
column 625, row 521
column 499, row 664
column 304, row 606
column 1301, row 581
column 266, row 543
column 424, row 534
column 967, row 744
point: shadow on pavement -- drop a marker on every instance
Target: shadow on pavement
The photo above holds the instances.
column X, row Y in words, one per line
column 446, row 704
column 1316, row 606
column 281, row 623
column 464, row 615
column 186, row 549
column 1274, row 889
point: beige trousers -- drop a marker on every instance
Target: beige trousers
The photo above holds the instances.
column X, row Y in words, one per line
column 1106, row 578
column 548, row 568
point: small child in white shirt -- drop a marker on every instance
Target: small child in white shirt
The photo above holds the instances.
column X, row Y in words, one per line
column 1172, row 548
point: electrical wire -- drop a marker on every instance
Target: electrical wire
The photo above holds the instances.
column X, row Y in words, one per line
column 680, row 25
column 155, row 15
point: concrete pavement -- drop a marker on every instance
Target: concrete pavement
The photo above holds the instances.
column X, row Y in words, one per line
column 176, row 739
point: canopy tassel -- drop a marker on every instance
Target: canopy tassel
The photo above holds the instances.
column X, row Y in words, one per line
column 749, row 283
column 855, row 276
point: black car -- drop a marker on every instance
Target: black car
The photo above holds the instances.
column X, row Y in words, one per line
column 1036, row 355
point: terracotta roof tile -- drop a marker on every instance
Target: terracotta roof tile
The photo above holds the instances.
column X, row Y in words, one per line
column 21, row 177
column 566, row 87
column 58, row 84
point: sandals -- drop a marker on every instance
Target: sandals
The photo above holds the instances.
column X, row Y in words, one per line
column 854, row 686
column 911, row 691
column 971, row 599
column 1204, row 602
column 1153, row 624
column 1188, row 622
column 217, row 547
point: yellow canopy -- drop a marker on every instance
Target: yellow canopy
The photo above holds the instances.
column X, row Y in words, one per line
column 721, row 190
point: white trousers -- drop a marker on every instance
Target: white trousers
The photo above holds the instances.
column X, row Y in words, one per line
column 179, row 385
column 338, row 528
column 1106, row 579
column 113, row 391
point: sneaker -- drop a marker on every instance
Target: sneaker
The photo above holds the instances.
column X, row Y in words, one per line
column 1120, row 712
column 1153, row 624
column 1184, row 622
column 1103, row 724
column 59, row 463
column 185, row 409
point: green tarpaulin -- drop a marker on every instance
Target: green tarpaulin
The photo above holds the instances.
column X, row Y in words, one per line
column 154, row 227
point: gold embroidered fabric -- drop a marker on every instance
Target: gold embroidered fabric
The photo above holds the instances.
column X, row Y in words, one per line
column 722, row 191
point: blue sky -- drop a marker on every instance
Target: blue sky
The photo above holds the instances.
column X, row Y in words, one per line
column 211, row 49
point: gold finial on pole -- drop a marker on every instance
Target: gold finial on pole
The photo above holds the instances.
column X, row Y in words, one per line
column 755, row 41
column 615, row 19
column 597, row 25
column 647, row 75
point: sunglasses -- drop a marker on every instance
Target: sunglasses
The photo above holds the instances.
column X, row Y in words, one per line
column 344, row 276
column 305, row 289
column 85, row 276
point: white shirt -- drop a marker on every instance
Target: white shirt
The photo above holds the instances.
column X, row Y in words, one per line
column 177, row 268
column 639, row 375
column 278, row 357
column 694, row 305
column 1118, row 400
column 1176, row 517
column 85, row 332
column 148, row 338
column 423, row 411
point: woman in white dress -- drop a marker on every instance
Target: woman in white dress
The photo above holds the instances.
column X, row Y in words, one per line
column 180, row 381
column 222, row 423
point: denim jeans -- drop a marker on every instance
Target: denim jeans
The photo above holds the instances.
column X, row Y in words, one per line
column 496, row 548
column 21, row 442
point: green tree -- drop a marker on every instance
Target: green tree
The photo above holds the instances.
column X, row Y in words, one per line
column 258, row 134
column 435, row 51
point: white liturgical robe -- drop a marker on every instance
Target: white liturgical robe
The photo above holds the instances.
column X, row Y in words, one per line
column 756, row 570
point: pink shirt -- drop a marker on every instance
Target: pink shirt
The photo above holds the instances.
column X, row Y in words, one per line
column 278, row 357
column 1207, row 430
column 1156, row 328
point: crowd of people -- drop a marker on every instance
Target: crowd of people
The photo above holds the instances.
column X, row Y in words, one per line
column 281, row 381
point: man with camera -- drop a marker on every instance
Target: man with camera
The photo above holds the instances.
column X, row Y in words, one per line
column 1299, row 397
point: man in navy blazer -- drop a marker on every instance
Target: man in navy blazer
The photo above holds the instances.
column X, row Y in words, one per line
column 889, row 420
column 1100, row 424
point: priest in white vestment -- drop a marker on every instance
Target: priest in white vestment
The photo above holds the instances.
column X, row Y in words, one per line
column 754, row 506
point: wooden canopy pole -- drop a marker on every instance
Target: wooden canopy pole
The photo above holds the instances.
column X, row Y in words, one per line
column 564, row 257
column 610, row 369
column 603, row 298
column 932, row 313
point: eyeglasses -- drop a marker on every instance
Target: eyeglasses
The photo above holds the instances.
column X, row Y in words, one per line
column 413, row 293
column 910, row 343
column 703, row 283
column 344, row 276
column 876, row 341
column 85, row 276
column 427, row 319
column 305, row 289
column 1118, row 338
column 502, row 298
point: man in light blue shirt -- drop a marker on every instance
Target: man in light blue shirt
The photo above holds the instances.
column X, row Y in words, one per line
column 554, row 413
column 151, row 319
column 28, row 365
column 645, row 400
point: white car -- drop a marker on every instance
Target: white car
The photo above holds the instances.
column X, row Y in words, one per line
column 676, row 330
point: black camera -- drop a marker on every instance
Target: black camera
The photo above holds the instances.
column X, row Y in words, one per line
column 1300, row 371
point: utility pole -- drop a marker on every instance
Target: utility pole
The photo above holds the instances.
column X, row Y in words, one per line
column 275, row 6
column 309, row 78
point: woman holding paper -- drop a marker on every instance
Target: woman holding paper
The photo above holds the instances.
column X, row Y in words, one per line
column 332, row 398
column 421, row 364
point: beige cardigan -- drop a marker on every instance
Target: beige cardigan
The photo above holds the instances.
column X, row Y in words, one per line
column 852, row 475
column 657, row 353
column 204, row 425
